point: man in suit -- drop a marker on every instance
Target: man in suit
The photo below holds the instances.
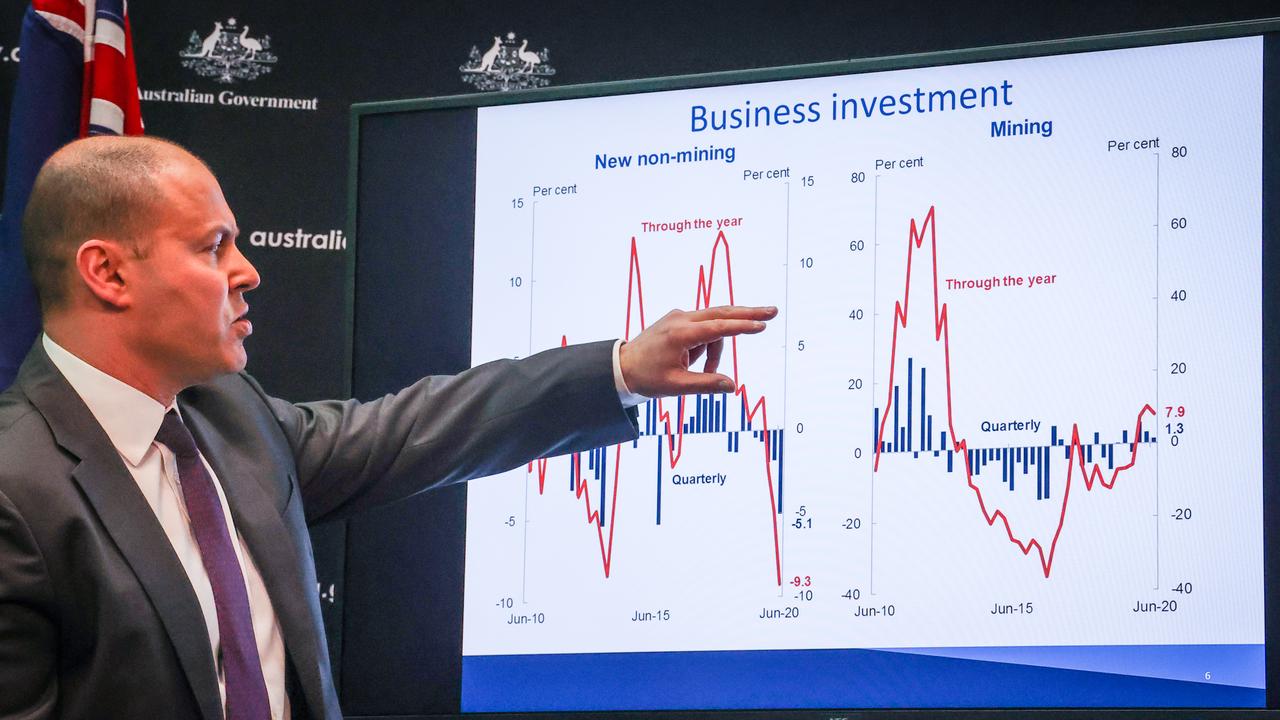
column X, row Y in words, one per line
column 154, row 558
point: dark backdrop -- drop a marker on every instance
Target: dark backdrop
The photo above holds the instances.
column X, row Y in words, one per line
column 284, row 168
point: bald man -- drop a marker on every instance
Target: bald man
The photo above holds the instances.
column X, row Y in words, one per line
column 154, row 558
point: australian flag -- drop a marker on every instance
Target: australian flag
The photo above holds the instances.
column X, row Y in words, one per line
column 77, row 77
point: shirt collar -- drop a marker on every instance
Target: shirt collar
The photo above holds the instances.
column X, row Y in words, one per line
column 130, row 417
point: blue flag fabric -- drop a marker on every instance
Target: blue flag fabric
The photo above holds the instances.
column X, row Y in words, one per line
column 44, row 117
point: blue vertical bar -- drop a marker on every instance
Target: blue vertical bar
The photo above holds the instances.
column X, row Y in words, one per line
column 573, row 470
column 1124, row 436
column 950, row 456
column 1053, row 434
column 1008, row 460
column 658, row 517
column 1025, row 454
column 1004, row 472
column 602, row 474
column 1146, row 436
column 944, row 441
column 925, row 420
column 910, row 381
column 742, row 415
column 897, row 431
column 780, row 466
column 773, row 443
column 1095, row 439
column 1041, row 454
column 929, row 434
column 1088, row 453
column 875, row 428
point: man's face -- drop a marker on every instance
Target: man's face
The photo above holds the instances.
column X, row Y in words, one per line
column 188, row 287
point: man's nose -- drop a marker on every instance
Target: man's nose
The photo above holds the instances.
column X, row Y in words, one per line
column 243, row 276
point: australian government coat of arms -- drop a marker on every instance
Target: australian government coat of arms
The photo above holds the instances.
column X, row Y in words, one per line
column 507, row 65
column 228, row 53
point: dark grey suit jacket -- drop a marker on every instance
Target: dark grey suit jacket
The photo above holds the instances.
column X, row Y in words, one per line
column 98, row 618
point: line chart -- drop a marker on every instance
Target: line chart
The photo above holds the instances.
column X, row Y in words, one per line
column 1075, row 452
column 674, row 435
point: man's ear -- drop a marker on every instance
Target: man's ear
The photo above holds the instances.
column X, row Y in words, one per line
column 98, row 264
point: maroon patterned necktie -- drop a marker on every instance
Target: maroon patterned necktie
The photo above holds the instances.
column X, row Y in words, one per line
column 246, row 690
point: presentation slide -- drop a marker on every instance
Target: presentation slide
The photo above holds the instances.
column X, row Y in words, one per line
column 1002, row 445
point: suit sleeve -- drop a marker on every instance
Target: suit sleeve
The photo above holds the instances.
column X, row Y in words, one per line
column 445, row 429
column 28, row 680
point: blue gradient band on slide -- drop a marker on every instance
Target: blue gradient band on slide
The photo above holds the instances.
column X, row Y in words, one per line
column 980, row 677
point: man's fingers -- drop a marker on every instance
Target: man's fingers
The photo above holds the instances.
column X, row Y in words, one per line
column 714, row 351
column 708, row 331
column 694, row 354
column 688, row 382
column 734, row 312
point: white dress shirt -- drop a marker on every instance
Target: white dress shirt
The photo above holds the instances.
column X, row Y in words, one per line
column 131, row 420
column 628, row 398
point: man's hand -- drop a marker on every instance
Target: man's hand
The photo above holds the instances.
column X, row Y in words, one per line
column 656, row 363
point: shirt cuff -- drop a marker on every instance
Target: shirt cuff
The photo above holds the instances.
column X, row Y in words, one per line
column 628, row 398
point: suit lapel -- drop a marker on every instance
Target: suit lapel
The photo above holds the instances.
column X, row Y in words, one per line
column 129, row 520
column 273, row 548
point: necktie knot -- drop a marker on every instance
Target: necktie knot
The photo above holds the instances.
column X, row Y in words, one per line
column 174, row 435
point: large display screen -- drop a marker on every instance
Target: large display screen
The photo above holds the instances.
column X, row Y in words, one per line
column 1002, row 446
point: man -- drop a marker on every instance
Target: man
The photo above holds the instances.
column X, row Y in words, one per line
column 154, row 560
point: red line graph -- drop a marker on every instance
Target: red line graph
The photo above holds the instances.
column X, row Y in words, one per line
column 675, row 440
column 941, row 329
